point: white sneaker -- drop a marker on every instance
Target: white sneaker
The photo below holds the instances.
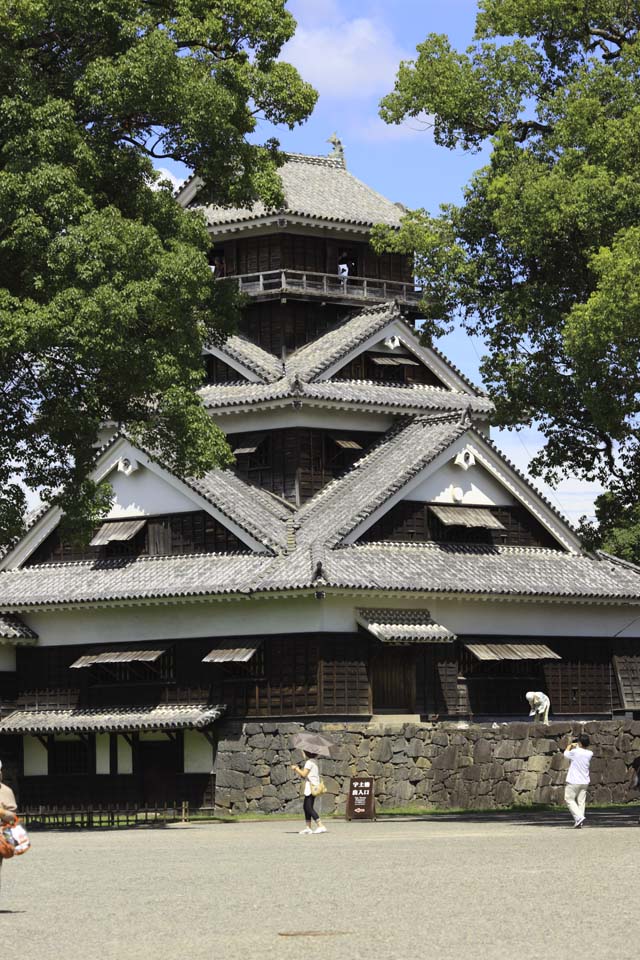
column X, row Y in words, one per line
column 579, row 823
column 306, row 830
column 320, row 830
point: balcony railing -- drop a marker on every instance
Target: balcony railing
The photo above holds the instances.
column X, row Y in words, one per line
column 329, row 285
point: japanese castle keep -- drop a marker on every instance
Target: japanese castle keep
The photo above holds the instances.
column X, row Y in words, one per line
column 371, row 555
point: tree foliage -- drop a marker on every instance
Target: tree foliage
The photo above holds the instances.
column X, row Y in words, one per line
column 106, row 297
column 542, row 257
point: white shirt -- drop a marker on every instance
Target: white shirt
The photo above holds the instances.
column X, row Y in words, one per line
column 538, row 703
column 312, row 778
column 578, row 771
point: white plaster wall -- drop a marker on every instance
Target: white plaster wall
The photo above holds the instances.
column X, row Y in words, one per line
column 476, row 485
column 336, row 614
column 102, row 753
column 305, row 417
column 198, row 753
column 173, row 621
column 155, row 736
column 125, row 758
column 144, row 493
column 36, row 759
column 8, row 655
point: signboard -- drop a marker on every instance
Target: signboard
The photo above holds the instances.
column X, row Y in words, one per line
column 361, row 802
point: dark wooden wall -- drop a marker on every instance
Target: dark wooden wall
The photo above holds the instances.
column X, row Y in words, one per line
column 296, row 463
column 452, row 682
column 275, row 326
column 363, row 367
column 167, row 535
column 412, row 521
column 260, row 254
column 301, row 675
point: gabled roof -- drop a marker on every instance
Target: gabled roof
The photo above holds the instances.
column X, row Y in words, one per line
column 314, row 187
column 401, row 454
column 314, row 358
column 301, row 376
column 265, row 366
column 256, row 511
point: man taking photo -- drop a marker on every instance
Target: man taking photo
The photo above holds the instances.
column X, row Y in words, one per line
column 575, row 791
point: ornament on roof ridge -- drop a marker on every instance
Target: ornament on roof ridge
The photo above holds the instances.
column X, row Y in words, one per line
column 338, row 148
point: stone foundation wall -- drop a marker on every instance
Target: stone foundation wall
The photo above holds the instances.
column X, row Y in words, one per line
column 422, row 765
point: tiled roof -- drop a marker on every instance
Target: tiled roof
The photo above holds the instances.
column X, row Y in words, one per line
column 12, row 628
column 256, row 511
column 316, row 357
column 399, row 456
column 403, row 626
column 488, row 570
column 321, row 188
column 112, row 719
column 364, row 394
column 250, row 355
column 415, row 397
column 126, row 579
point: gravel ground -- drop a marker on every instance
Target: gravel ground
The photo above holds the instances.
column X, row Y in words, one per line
column 393, row 890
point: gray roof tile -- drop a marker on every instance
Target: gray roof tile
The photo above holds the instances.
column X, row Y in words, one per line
column 12, row 628
column 321, row 188
column 112, row 719
column 403, row 626
column 316, row 357
column 487, row 570
column 250, row 355
column 125, row 579
column 256, row 511
column 373, row 479
column 364, row 394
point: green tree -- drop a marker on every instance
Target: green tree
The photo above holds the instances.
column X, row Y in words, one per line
column 542, row 257
column 106, row 297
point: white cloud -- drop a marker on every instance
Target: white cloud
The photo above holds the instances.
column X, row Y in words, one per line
column 343, row 58
column 375, row 130
column 165, row 174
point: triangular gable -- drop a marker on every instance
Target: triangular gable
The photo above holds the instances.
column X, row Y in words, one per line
column 376, row 329
column 396, row 341
column 470, row 472
column 143, row 487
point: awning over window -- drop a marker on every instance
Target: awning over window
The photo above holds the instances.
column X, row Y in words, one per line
column 119, row 656
column 240, row 451
column 119, row 530
column 511, row 651
column 466, row 517
column 233, row 652
column 193, row 716
column 403, row 626
column 347, row 444
column 395, row 362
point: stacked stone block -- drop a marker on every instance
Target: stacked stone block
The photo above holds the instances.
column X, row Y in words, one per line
column 444, row 765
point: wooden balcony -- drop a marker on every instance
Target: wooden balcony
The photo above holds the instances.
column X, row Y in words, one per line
column 325, row 286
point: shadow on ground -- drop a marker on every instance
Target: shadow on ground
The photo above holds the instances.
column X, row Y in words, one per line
column 601, row 818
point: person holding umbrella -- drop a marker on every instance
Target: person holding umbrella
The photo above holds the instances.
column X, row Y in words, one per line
column 312, row 745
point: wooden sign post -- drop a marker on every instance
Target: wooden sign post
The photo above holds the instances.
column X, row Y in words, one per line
column 361, row 802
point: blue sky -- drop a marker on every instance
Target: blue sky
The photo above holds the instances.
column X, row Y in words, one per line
column 350, row 51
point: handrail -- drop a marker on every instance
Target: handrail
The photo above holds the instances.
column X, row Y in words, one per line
column 326, row 284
